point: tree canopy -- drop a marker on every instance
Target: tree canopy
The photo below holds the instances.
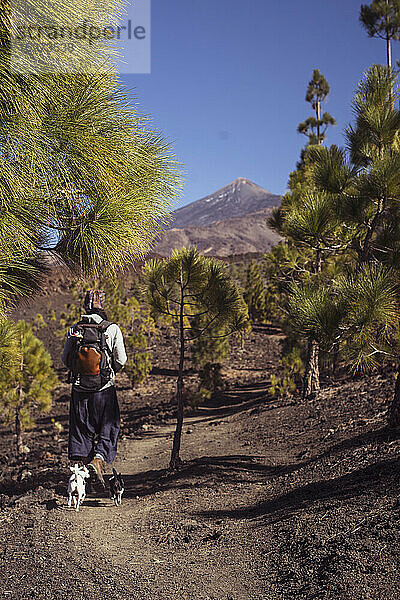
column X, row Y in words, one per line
column 381, row 19
column 317, row 93
column 85, row 178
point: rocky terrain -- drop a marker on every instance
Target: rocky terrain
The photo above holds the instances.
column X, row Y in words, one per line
column 277, row 499
column 238, row 235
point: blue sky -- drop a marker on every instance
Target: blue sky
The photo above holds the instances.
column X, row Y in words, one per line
column 229, row 78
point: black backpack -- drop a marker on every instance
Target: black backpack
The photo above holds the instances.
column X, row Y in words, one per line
column 90, row 361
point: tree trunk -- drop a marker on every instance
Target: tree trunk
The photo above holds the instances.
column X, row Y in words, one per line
column 241, row 340
column 388, row 52
column 175, row 458
column 335, row 358
column 18, row 428
column 20, row 403
column 371, row 230
column 311, row 385
column 318, row 261
column 318, row 121
column 394, row 408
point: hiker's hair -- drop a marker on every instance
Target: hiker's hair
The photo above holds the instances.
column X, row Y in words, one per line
column 94, row 299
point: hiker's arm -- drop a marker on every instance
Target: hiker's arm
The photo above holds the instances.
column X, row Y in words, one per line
column 68, row 348
column 119, row 353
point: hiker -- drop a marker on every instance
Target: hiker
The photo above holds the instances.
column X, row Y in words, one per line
column 94, row 352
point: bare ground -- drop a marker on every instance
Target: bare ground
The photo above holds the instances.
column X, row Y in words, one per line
column 276, row 500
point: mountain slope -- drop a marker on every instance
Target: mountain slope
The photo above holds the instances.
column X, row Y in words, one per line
column 236, row 199
column 239, row 235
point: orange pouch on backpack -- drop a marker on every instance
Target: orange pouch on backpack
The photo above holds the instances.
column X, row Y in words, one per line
column 88, row 361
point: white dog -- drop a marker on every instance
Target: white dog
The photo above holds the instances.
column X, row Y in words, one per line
column 77, row 486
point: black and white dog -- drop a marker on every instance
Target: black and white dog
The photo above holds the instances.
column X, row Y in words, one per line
column 116, row 484
column 77, row 486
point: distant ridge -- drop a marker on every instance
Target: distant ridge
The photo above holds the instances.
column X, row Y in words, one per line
column 239, row 235
column 238, row 198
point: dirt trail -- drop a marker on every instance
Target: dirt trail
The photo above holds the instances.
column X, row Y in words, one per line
column 156, row 541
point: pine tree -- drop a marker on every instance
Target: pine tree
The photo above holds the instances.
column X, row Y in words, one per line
column 312, row 223
column 317, row 93
column 83, row 175
column 139, row 366
column 140, row 330
column 308, row 220
column 315, row 315
column 365, row 185
column 284, row 263
column 369, row 305
column 254, row 294
column 292, row 370
column 29, row 385
column 381, row 19
column 68, row 317
column 185, row 286
column 10, row 351
column 39, row 322
column 209, row 351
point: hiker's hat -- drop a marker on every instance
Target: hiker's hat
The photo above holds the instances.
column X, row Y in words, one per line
column 94, row 299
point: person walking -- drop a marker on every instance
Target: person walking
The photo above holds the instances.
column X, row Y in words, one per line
column 94, row 352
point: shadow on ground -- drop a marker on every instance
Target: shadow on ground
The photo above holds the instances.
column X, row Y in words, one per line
column 352, row 485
